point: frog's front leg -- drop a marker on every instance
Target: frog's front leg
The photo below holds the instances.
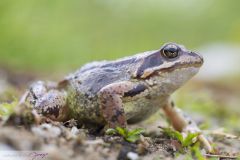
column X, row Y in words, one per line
column 47, row 100
column 110, row 99
column 183, row 123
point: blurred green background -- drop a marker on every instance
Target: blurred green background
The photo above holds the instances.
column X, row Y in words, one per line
column 43, row 35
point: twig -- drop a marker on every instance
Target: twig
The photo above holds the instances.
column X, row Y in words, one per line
column 220, row 156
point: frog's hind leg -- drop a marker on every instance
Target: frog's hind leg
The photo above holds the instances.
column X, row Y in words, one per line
column 183, row 123
column 110, row 99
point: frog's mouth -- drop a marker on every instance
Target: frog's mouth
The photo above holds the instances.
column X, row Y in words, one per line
column 171, row 67
column 179, row 66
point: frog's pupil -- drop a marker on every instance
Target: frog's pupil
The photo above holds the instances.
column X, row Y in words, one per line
column 170, row 52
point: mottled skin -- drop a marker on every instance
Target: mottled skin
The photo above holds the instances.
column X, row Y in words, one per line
column 128, row 90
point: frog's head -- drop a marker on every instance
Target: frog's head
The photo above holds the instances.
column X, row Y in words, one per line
column 170, row 66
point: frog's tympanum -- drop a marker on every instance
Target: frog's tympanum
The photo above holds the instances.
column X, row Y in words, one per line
column 127, row 90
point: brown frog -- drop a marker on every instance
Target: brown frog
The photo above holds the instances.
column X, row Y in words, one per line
column 127, row 90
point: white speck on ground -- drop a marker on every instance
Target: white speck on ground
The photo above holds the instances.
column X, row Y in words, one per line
column 132, row 156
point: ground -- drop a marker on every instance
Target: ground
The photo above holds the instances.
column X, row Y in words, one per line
column 213, row 105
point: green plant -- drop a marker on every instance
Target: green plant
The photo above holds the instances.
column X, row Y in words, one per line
column 130, row 136
column 196, row 152
column 185, row 141
column 7, row 108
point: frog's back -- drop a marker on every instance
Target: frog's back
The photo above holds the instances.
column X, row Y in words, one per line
column 93, row 76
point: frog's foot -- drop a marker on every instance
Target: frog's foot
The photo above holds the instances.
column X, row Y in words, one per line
column 183, row 123
column 47, row 100
column 110, row 98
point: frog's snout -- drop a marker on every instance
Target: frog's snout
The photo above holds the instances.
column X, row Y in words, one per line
column 201, row 58
column 198, row 58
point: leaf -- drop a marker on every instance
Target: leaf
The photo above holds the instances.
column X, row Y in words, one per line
column 110, row 131
column 137, row 131
column 177, row 135
column 189, row 139
column 132, row 138
column 173, row 134
column 122, row 131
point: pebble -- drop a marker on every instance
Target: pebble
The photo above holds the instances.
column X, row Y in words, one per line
column 132, row 156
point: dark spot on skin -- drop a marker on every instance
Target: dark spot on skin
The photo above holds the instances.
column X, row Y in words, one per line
column 136, row 90
column 33, row 94
column 114, row 118
column 119, row 113
column 190, row 122
column 86, row 95
column 151, row 61
column 99, row 80
column 90, row 90
column 53, row 111
column 108, row 70
column 63, row 83
column 75, row 77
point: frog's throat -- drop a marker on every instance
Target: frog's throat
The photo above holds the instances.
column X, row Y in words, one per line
column 176, row 79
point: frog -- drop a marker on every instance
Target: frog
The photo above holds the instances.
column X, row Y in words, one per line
column 120, row 92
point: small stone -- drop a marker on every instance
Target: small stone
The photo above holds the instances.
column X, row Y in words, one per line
column 46, row 131
column 132, row 156
column 74, row 130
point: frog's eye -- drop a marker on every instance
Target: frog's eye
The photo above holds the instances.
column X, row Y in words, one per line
column 170, row 51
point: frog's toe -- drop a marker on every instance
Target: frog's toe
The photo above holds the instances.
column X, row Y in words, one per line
column 193, row 128
column 206, row 144
column 183, row 123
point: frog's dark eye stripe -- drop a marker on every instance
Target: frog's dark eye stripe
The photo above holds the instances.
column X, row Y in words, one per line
column 170, row 51
column 151, row 61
